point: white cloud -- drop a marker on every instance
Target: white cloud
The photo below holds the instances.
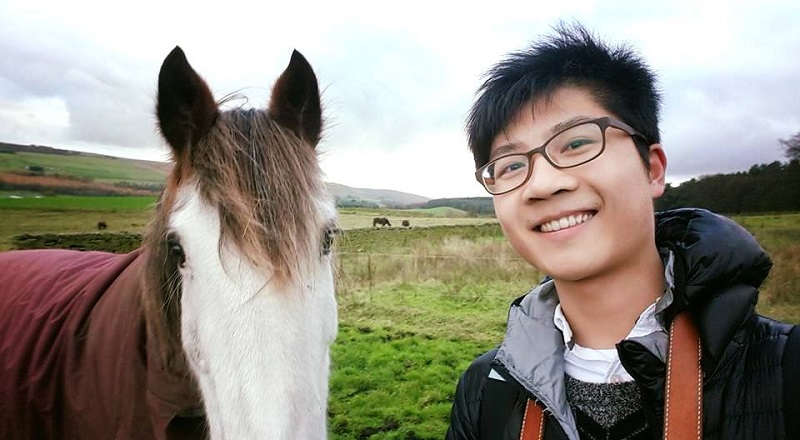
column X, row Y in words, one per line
column 398, row 79
column 45, row 119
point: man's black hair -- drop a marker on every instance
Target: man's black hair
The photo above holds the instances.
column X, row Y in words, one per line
column 617, row 77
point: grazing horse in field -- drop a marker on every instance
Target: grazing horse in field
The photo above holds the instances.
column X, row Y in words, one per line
column 219, row 326
column 380, row 221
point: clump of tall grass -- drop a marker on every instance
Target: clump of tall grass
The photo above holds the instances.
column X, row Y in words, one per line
column 453, row 261
column 783, row 284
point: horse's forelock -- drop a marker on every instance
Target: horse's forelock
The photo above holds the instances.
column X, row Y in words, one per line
column 266, row 182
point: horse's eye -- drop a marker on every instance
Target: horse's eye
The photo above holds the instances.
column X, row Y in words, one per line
column 327, row 239
column 175, row 249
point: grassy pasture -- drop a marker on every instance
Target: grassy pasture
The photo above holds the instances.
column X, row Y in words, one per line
column 355, row 218
column 416, row 311
column 64, row 214
column 416, row 305
column 104, row 169
column 81, row 203
column 780, row 236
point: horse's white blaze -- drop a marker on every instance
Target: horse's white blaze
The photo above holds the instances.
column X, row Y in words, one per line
column 260, row 355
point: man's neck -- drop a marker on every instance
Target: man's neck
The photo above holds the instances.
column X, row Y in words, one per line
column 602, row 310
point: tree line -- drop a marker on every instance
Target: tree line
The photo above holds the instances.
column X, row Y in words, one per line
column 773, row 187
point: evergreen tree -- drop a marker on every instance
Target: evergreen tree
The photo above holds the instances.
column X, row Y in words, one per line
column 791, row 147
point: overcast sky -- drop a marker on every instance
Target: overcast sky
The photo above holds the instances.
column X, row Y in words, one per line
column 397, row 77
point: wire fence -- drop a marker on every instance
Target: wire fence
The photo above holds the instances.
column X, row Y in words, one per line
column 368, row 270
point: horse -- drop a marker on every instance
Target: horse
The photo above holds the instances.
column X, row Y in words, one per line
column 219, row 326
column 380, row 221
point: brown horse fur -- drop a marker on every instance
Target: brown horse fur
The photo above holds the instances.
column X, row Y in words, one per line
column 259, row 167
column 381, row 221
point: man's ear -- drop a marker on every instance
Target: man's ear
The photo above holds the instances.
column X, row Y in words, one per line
column 658, row 170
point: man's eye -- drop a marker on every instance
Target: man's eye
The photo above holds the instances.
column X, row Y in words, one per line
column 508, row 169
column 575, row 144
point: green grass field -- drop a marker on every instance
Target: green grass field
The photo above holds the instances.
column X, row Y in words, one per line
column 413, row 317
column 103, row 169
column 80, row 203
column 416, row 305
column 82, row 213
column 62, row 214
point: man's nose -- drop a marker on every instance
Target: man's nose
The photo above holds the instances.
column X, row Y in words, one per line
column 546, row 180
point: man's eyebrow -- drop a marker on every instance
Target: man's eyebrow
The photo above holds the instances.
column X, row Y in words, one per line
column 513, row 147
column 502, row 150
column 563, row 125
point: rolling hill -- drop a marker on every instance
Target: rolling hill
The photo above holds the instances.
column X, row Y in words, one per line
column 379, row 197
column 45, row 169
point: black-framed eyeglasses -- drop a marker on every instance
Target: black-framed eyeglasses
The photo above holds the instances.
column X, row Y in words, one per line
column 571, row 147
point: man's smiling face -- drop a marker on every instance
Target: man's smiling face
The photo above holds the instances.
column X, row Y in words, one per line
column 581, row 222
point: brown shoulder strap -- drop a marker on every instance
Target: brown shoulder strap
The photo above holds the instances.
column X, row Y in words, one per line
column 532, row 422
column 683, row 402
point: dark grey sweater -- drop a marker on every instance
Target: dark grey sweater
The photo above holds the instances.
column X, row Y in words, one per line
column 607, row 410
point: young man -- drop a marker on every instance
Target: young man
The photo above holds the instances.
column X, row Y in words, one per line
column 565, row 137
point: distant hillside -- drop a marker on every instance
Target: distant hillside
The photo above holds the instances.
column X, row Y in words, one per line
column 472, row 205
column 16, row 148
column 56, row 171
column 42, row 160
column 367, row 197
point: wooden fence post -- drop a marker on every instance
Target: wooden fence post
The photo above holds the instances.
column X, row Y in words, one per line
column 369, row 271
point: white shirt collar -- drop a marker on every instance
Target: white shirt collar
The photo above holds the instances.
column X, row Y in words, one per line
column 603, row 366
column 648, row 320
column 645, row 324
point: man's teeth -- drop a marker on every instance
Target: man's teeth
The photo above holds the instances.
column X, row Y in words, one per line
column 565, row 222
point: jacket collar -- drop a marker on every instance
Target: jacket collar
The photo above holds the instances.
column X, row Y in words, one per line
column 533, row 352
column 718, row 267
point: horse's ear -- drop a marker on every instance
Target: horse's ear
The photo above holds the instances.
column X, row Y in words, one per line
column 295, row 101
column 186, row 108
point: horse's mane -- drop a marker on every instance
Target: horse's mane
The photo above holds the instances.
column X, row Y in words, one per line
column 262, row 178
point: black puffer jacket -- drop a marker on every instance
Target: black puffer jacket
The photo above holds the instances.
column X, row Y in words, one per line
column 717, row 269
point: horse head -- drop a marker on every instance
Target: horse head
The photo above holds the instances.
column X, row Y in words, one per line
column 241, row 284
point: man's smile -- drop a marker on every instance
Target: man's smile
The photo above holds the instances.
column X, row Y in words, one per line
column 564, row 222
